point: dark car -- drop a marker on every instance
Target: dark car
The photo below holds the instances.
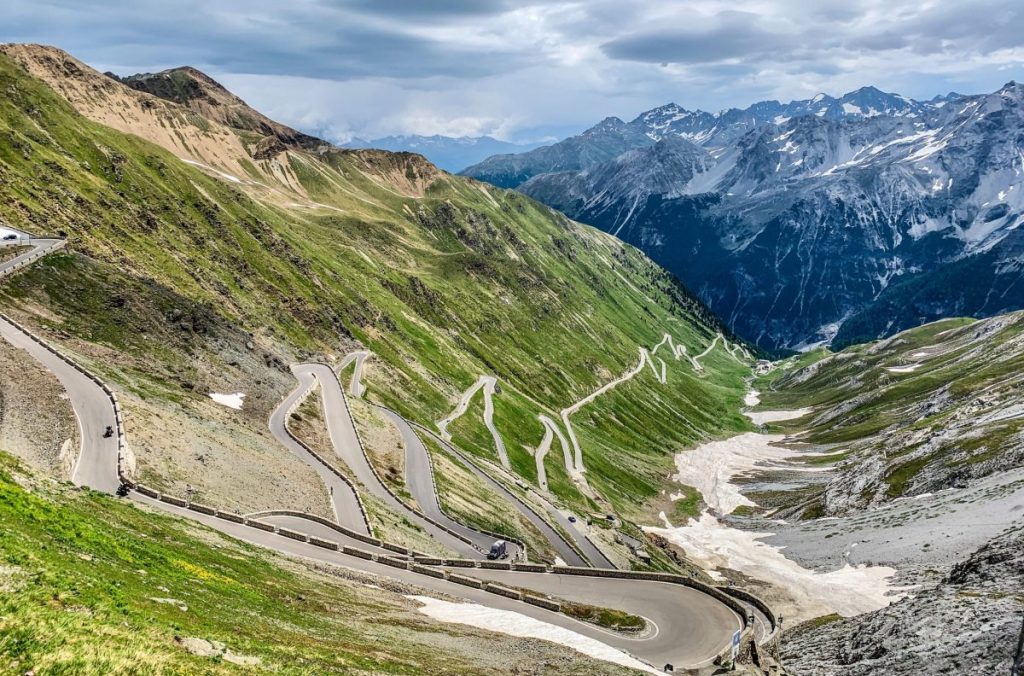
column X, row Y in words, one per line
column 499, row 550
column 10, row 236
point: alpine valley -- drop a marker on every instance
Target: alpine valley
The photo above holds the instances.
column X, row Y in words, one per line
column 271, row 405
column 821, row 221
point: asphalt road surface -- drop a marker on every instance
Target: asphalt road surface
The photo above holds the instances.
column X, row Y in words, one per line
column 419, row 480
column 347, row 509
column 688, row 628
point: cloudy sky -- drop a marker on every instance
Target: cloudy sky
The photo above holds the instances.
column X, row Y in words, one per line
column 529, row 69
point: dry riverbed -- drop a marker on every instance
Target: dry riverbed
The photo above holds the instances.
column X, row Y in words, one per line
column 717, row 470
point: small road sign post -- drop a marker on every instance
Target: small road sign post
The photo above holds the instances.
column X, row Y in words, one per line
column 735, row 648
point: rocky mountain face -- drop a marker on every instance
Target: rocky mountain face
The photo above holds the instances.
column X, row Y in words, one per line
column 196, row 90
column 919, row 443
column 825, row 220
column 931, row 409
column 604, row 141
column 451, row 153
column 980, row 596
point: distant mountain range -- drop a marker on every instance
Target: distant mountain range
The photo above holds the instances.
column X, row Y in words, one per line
column 448, row 152
column 821, row 220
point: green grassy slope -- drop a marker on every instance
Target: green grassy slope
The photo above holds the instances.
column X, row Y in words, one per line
column 90, row 585
column 174, row 271
column 938, row 405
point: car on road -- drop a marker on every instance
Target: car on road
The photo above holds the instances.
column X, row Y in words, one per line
column 9, row 236
column 499, row 550
column 572, row 519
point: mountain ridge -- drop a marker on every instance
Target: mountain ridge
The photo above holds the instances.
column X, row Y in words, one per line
column 451, row 153
column 757, row 207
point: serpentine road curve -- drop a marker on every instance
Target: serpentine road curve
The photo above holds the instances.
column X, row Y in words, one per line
column 347, row 509
column 691, row 626
column 342, row 432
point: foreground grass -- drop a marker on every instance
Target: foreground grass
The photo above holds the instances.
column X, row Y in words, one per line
column 616, row 620
column 92, row 585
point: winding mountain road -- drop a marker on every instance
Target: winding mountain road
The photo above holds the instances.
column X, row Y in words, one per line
column 567, row 552
column 687, row 627
column 419, row 479
column 342, row 432
column 348, row 511
column 488, row 385
column 97, row 463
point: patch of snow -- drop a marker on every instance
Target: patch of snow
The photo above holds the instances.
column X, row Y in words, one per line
column 523, row 626
column 230, row 400
column 763, row 417
column 559, row 561
column 849, row 591
column 903, row 369
column 752, row 398
column 711, row 467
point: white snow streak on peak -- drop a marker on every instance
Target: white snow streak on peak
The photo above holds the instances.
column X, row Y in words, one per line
column 523, row 626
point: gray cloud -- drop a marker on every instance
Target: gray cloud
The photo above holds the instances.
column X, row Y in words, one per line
column 729, row 35
column 519, row 68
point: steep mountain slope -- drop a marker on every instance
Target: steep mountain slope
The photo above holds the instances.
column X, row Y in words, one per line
column 929, row 409
column 183, row 280
column 919, row 443
column 449, row 153
column 896, row 189
column 197, row 91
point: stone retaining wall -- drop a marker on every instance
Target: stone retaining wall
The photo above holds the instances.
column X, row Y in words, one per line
column 326, row 544
column 504, row 591
column 259, row 524
column 547, row 604
column 424, row 570
column 355, row 551
column 394, row 563
column 466, row 581
column 294, row 535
